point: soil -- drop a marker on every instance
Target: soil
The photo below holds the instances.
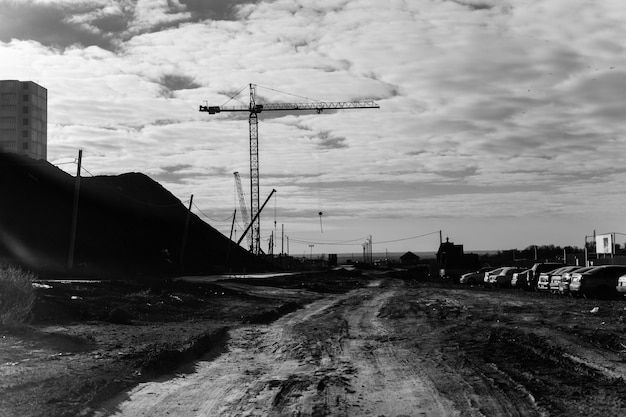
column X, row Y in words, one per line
column 324, row 344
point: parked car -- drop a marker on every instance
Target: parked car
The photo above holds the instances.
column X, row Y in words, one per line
column 537, row 269
column 475, row 277
column 557, row 275
column 486, row 278
column 600, row 281
column 543, row 282
column 502, row 277
column 566, row 278
column 621, row 285
column 520, row 279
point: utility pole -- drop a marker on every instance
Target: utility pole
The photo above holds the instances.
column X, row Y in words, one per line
column 232, row 228
column 311, row 246
column 70, row 259
column 184, row 243
column 270, row 249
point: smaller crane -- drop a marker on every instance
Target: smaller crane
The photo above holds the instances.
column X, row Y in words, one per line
column 242, row 205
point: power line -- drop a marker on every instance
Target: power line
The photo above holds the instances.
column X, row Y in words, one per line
column 409, row 238
column 211, row 218
column 355, row 241
column 327, row 242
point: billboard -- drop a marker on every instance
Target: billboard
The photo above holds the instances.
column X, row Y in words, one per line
column 604, row 244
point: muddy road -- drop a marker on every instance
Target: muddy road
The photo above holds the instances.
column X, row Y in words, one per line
column 395, row 348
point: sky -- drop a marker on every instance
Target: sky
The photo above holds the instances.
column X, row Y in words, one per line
column 501, row 123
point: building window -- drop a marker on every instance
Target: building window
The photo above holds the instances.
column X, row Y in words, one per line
column 24, row 122
column 24, row 133
column 25, row 109
column 8, row 98
column 7, row 145
column 25, row 145
column 25, row 97
column 7, row 133
column 7, row 121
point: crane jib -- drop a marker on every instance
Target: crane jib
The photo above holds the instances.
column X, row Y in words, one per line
column 317, row 106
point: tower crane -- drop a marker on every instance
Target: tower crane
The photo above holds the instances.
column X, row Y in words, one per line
column 242, row 205
column 254, row 109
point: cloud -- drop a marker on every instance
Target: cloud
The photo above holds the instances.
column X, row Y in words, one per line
column 104, row 23
column 48, row 23
column 485, row 106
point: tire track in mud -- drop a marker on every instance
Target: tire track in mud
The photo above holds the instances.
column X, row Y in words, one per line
column 388, row 380
column 333, row 357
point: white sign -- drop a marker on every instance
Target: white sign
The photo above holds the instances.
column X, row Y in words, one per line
column 604, row 244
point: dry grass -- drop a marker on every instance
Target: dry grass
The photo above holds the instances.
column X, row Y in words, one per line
column 16, row 295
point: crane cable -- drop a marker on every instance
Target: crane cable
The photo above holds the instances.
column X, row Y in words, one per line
column 319, row 200
column 289, row 94
column 235, row 95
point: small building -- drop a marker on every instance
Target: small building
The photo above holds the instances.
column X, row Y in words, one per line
column 453, row 261
column 409, row 258
column 24, row 118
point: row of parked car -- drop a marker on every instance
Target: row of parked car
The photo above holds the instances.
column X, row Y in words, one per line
column 557, row 278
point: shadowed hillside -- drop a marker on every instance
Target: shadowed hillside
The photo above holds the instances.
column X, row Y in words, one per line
column 127, row 225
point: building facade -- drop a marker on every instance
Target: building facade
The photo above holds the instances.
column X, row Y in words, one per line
column 24, row 118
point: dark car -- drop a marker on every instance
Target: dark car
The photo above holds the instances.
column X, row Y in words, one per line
column 520, row 279
column 599, row 281
column 476, row 277
column 537, row 269
column 501, row 277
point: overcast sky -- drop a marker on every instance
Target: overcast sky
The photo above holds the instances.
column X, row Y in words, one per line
column 501, row 123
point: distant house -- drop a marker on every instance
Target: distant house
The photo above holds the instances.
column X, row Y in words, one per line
column 409, row 258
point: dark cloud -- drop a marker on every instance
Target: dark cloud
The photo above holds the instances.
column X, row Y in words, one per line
column 112, row 23
column 175, row 82
column 48, row 24
column 215, row 9
column 326, row 141
column 474, row 5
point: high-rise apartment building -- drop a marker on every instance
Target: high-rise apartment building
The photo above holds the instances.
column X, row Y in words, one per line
column 24, row 118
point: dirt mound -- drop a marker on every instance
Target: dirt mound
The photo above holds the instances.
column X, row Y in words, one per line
column 127, row 225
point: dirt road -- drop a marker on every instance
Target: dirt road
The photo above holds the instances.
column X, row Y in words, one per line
column 395, row 350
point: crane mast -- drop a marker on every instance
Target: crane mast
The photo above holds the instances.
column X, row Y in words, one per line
column 254, row 109
column 254, row 173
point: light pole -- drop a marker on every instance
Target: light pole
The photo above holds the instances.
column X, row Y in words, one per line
column 311, row 246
